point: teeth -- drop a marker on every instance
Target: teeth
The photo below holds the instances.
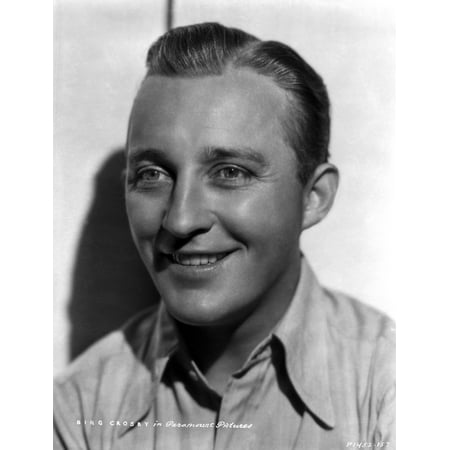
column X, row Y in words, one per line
column 212, row 259
column 197, row 260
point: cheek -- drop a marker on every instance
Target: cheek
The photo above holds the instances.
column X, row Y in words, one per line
column 144, row 214
column 268, row 220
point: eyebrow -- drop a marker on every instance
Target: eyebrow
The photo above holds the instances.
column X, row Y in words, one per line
column 212, row 154
column 209, row 155
column 147, row 154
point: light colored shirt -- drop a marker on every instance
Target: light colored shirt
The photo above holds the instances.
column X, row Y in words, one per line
column 323, row 379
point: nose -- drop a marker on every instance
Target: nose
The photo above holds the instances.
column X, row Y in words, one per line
column 187, row 212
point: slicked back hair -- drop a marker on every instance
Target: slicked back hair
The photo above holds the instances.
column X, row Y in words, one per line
column 210, row 48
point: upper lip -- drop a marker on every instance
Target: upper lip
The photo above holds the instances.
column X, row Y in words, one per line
column 198, row 252
column 193, row 251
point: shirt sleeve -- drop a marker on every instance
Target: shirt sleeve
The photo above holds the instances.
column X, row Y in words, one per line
column 67, row 433
column 385, row 430
column 384, row 390
column 58, row 443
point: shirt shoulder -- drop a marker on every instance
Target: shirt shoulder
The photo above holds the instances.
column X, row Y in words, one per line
column 107, row 380
column 353, row 319
column 362, row 344
column 118, row 347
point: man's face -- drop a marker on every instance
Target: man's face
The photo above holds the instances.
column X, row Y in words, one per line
column 213, row 196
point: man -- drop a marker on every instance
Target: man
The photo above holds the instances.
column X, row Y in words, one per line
column 226, row 166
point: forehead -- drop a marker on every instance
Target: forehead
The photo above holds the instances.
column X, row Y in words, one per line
column 237, row 106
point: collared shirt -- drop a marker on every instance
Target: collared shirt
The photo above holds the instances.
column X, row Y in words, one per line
column 323, row 379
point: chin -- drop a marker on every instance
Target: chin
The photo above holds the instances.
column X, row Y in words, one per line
column 201, row 312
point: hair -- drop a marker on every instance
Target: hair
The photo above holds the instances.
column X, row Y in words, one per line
column 210, row 48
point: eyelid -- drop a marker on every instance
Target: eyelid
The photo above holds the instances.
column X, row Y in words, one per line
column 156, row 167
column 224, row 166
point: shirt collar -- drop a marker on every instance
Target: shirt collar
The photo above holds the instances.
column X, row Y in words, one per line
column 152, row 338
column 302, row 331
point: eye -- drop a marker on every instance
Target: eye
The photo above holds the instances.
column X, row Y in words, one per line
column 230, row 172
column 232, row 176
column 149, row 177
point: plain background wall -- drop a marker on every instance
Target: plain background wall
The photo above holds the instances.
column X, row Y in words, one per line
column 99, row 56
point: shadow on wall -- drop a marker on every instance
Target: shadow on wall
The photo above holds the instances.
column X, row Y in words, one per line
column 110, row 283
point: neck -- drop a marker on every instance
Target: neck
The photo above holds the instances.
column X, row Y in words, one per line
column 220, row 351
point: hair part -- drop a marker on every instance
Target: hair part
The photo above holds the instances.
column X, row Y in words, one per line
column 210, row 48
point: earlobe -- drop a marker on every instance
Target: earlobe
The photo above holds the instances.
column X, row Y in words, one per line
column 319, row 194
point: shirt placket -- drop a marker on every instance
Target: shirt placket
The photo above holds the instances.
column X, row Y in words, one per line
column 239, row 406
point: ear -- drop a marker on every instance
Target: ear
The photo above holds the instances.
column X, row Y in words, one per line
column 319, row 193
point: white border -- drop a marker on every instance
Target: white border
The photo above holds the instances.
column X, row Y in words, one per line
column 26, row 223
column 422, row 226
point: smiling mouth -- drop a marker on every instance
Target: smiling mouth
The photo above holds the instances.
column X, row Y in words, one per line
column 184, row 259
